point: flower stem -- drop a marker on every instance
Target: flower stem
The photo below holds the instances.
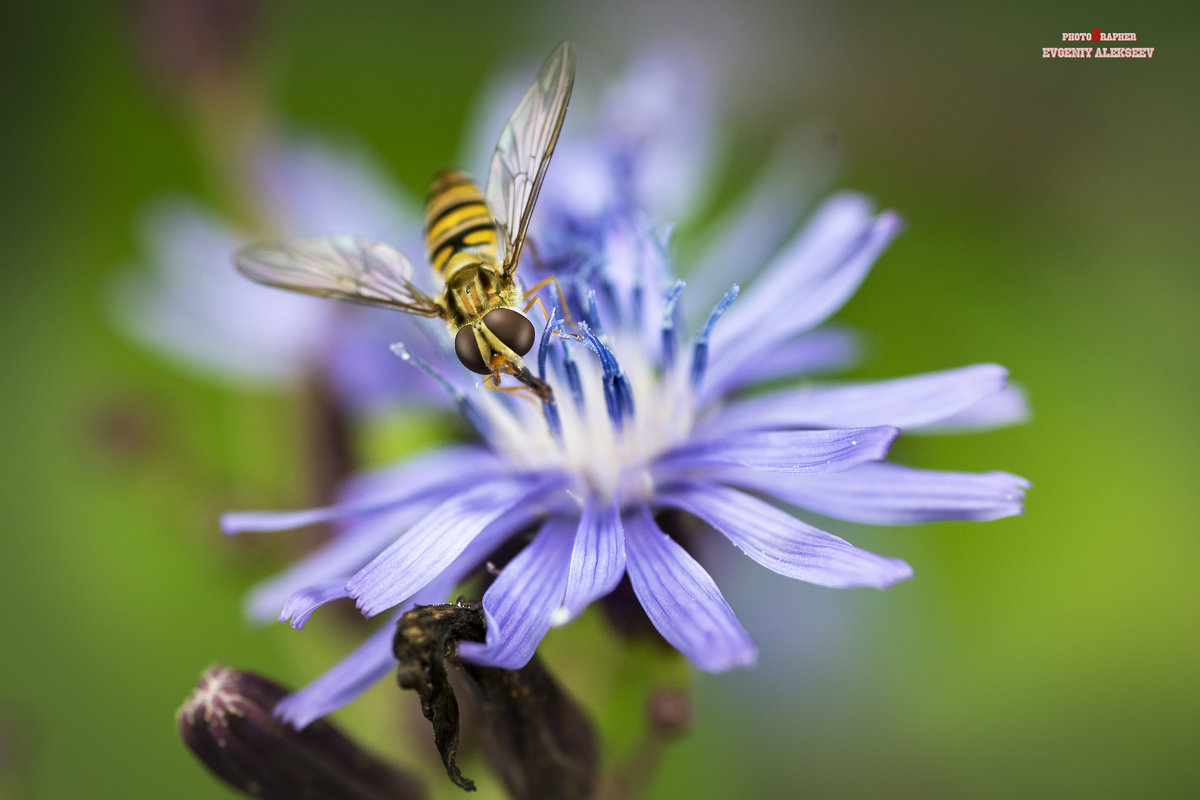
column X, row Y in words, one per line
column 668, row 715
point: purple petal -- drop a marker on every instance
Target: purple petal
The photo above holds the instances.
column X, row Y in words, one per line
column 313, row 188
column 235, row 522
column 432, row 544
column 810, row 280
column 914, row 400
column 782, row 543
column 808, row 354
column 343, row 555
column 461, row 464
column 521, row 605
column 192, row 306
column 682, row 600
column 363, row 371
column 659, row 118
column 423, row 475
column 303, row 603
column 782, row 451
column 891, row 494
column 752, row 228
column 369, row 662
column 815, row 252
column 306, row 600
column 1008, row 406
column 598, row 557
column 647, row 146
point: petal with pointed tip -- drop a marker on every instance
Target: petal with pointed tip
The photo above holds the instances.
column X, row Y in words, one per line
column 893, row 494
column 682, row 600
column 782, row 543
column 521, row 604
column 782, row 451
column 902, row 402
column 598, row 557
column 436, row 540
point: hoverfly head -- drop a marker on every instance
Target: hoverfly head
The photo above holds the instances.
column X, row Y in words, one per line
column 509, row 328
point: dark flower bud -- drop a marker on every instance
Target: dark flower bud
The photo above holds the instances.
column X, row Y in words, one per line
column 628, row 619
column 14, row 753
column 669, row 712
column 228, row 722
column 185, row 43
column 534, row 735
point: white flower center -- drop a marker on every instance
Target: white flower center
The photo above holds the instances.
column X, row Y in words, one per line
column 603, row 458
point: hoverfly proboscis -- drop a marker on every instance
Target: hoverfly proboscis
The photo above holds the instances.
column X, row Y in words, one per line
column 474, row 241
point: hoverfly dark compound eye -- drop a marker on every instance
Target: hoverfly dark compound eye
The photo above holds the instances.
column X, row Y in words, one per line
column 512, row 328
column 467, row 350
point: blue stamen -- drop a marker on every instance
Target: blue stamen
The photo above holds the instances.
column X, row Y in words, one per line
column 571, row 373
column 544, row 344
column 618, row 395
column 700, row 351
column 576, row 294
column 468, row 408
column 670, row 326
column 624, row 393
column 593, row 312
column 549, row 408
column 612, row 303
column 553, row 421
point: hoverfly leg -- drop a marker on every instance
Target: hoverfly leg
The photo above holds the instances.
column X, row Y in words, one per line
column 546, row 314
column 534, row 252
column 492, row 387
column 542, row 306
column 562, row 298
column 534, row 394
column 492, row 383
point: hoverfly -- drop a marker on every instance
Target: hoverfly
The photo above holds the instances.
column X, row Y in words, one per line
column 474, row 241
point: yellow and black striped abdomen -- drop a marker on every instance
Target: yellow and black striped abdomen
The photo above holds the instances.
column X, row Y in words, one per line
column 456, row 220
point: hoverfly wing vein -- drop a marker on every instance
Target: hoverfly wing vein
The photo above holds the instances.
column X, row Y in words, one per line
column 524, row 149
column 344, row 267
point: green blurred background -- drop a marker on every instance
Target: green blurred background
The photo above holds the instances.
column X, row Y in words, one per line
column 1051, row 227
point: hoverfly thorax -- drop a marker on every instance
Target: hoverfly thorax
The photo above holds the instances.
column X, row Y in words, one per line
column 473, row 238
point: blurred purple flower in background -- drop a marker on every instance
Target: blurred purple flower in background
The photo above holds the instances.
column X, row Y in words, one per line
column 197, row 312
column 645, row 420
column 192, row 306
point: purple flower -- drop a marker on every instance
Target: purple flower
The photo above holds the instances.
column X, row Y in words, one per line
column 193, row 307
column 195, row 310
column 648, row 417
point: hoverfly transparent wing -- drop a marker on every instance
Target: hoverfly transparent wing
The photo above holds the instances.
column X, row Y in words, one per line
column 524, row 150
column 345, row 267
